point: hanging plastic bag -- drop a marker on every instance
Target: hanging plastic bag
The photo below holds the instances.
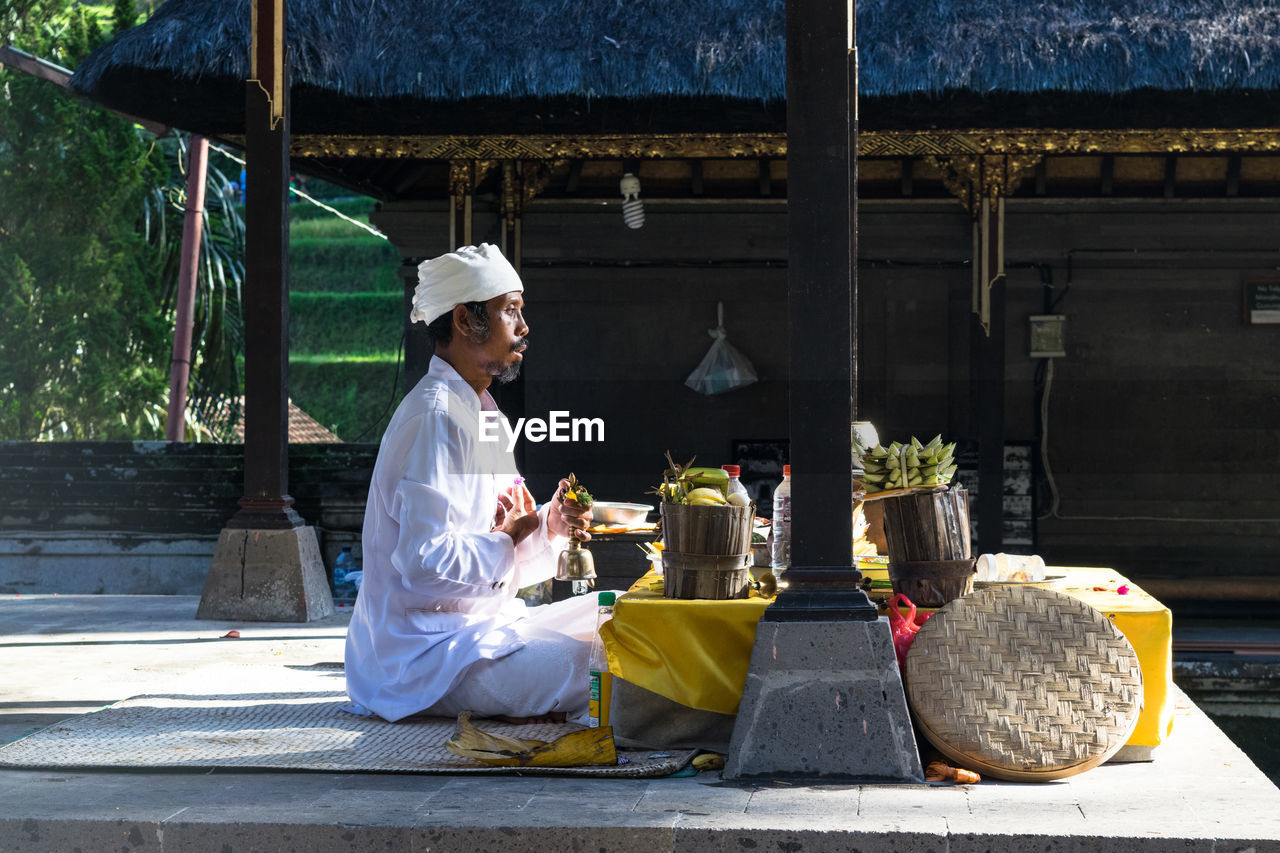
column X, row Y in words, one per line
column 903, row 628
column 723, row 368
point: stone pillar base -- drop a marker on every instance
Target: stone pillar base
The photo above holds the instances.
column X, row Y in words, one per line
column 267, row 576
column 824, row 701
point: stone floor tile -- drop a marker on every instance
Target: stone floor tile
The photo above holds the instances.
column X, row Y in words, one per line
column 811, row 799
column 484, row 793
column 702, row 798
column 939, row 800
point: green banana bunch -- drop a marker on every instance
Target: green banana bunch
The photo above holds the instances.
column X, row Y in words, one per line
column 708, row 478
column 901, row 466
column 685, row 484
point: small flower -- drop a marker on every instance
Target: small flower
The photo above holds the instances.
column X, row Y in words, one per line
column 1123, row 589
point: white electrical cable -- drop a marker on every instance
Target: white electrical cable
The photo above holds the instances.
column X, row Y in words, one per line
column 1055, row 501
column 1044, row 443
column 300, row 194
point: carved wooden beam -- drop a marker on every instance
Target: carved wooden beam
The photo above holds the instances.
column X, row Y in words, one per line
column 972, row 178
column 871, row 143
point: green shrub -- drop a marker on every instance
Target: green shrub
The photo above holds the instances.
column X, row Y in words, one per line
column 345, row 323
column 346, row 396
column 84, row 350
column 355, row 206
column 344, row 265
column 329, row 226
column 304, row 214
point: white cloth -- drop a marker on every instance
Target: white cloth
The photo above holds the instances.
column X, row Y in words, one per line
column 549, row 674
column 470, row 274
column 439, row 588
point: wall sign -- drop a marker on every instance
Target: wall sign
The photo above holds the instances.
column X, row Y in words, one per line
column 1262, row 302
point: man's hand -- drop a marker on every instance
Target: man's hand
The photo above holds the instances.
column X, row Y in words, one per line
column 568, row 518
column 517, row 513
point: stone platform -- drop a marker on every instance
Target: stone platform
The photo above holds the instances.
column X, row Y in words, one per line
column 66, row 655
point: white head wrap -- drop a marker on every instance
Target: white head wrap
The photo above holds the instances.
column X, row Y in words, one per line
column 470, row 274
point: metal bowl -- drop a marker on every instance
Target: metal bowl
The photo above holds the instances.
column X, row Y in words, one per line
column 610, row 512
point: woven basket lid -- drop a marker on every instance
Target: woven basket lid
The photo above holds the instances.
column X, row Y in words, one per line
column 1023, row 684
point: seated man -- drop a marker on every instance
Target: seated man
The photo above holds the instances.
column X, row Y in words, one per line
column 451, row 532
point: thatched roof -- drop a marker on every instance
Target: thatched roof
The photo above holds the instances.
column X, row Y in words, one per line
column 1087, row 46
column 435, row 66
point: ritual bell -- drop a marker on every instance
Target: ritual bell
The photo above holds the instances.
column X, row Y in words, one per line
column 575, row 563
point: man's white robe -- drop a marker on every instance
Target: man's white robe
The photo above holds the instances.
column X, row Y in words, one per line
column 438, row 595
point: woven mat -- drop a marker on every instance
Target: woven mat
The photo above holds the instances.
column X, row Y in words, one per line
column 1023, row 684
column 286, row 731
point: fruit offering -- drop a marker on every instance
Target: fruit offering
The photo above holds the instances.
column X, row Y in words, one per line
column 901, row 466
column 690, row 486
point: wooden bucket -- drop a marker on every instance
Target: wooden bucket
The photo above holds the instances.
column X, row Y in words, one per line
column 706, row 529
column 932, row 583
column 928, row 538
column 715, row 576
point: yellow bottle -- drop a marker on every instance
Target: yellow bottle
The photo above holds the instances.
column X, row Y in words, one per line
column 601, row 680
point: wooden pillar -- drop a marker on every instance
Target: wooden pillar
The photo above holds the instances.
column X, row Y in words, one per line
column 462, row 180
column 822, row 583
column 267, row 565
column 845, row 714
column 266, row 503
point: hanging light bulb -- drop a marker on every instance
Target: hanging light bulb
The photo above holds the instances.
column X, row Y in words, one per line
column 632, row 207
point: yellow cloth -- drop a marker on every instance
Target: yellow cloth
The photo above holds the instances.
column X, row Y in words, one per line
column 697, row 652
column 1148, row 626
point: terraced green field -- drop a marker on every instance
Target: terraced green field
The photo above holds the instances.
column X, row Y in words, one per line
column 344, row 320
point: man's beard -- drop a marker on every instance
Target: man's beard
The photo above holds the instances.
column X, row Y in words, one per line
column 503, row 375
column 507, row 374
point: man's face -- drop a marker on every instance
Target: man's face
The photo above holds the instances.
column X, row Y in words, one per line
column 508, row 337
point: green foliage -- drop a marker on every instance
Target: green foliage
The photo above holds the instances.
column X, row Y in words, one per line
column 91, row 216
column 342, row 265
column 345, row 323
column 82, row 349
column 357, row 208
column 124, row 14
column 351, row 398
column 346, row 320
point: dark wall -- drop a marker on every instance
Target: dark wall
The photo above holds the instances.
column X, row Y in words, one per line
column 620, row 318
column 143, row 517
column 1163, row 415
column 1162, row 418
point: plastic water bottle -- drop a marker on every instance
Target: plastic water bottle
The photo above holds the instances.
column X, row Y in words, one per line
column 598, row 668
column 344, row 585
column 735, row 485
column 780, row 553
